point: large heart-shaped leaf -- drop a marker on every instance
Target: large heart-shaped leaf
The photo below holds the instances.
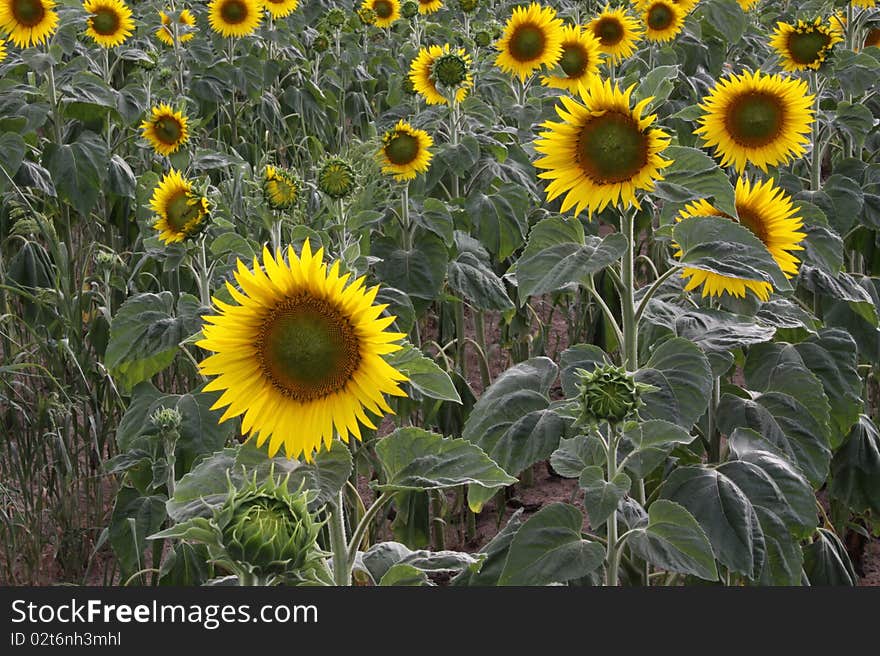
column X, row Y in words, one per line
column 856, row 468
column 683, row 378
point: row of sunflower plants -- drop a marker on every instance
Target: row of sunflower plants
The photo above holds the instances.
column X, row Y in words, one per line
column 288, row 273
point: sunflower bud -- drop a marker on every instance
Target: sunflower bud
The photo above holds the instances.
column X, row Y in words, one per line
column 105, row 260
column 450, row 70
column 409, row 8
column 320, row 43
column 166, row 419
column 608, row 393
column 467, row 6
column 336, row 178
column 483, row 38
column 336, row 17
column 367, row 16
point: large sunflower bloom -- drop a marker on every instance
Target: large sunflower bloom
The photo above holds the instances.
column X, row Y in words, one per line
column 579, row 61
column 109, row 22
column 300, row 353
column 387, row 11
column 429, row 6
column 805, row 45
column 532, row 38
column 617, row 32
column 758, row 118
column 180, row 214
column 166, row 129
column 280, row 8
column 235, row 17
column 165, row 33
column 437, row 69
column 404, row 153
column 602, row 151
column 767, row 211
column 663, row 19
column 28, row 22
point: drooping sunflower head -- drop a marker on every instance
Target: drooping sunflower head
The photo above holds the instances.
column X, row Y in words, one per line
column 109, row 22
column 767, row 211
column 405, row 151
column 429, row 6
column 617, row 33
column 467, row 6
column 235, row 17
column 28, row 22
column 579, row 61
column 300, row 353
column 336, row 178
column 180, row 213
column 280, row 8
column 281, row 187
column 166, row 129
column 531, row 39
column 185, row 21
column 663, row 20
column 757, row 118
column 438, row 72
column 602, row 151
column 386, row 11
column 872, row 38
column 805, row 45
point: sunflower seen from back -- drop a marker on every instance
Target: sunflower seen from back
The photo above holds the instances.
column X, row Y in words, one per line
column 663, row 19
column 280, row 8
column 579, row 61
column 805, row 45
column 439, row 72
column 165, row 129
column 386, row 11
column 235, row 18
column 185, row 21
column 531, row 39
column 758, row 118
column 618, row 33
column 299, row 354
column 28, row 22
column 602, row 151
column 767, row 211
column 109, row 23
column 405, row 151
column 180, row 213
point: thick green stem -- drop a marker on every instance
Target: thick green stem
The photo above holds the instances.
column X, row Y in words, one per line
column 816, row 153
column 612, row 555
column 628, row 326
column 338, row 544
column 712, row 432
column 453, row 139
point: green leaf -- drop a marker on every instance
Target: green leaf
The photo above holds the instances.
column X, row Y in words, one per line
column 548, row 548
column 424, row 374
column 419, row 270
column 652, row 441
column 474, row 281
column 496, row 556
column 725, row 17
column 826, row 561
column 500, row 218
column 841, row 287
column 693, row 175
column 134, row 518
column 186, row 564
column 855, row 469
column 12, row 149
column 437, row 218
column 145, row 334
column 576, row 453
column 657, row 84
column 683, row 377
column 600, row 496
column 674, row 541
column 415, row 459
column 404, row 575
column 78, row 170
column 380, row 558
column 558, row 254
column 579, row 356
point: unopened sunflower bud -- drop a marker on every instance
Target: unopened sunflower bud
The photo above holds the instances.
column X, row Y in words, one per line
column 483, row 38
column 467, row 6
column 608, row 393
column 409, row 8
column 167, row 419
column 366, row 15
column 336, row 178
column 336, row 17
column 450, row 69
column 320, row 43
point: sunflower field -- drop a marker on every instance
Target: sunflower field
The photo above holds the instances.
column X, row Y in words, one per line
column 439, row 292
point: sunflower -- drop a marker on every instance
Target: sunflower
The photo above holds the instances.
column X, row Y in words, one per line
column 532, row 38
column 281, row 187
column 757, row 118
column 579, row 61
column 602, row 151
column 617, row 32
column 280, row 8
column 437, row 69
column 429, row 6
column 235, row 17
column 872, row 38
column 2, row 50
column 28, row 22
column 767, row 211
column 336, row 178
column 404, row 153
column 166, row 129
column 748, row 5
column 180, row 214
column 387, row 11
column 663, row 20
column 805, row 45
column 299, row 354
column 109, row 22
column 165, row 33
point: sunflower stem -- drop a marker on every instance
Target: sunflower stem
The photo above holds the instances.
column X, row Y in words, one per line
column 612, row 554
column 453, row 139
column 233, row 114
column 816, row 153
column 204, row 274
column 629, row 326
column 338, row 544
column 712, row 431
column 404, row 218
column 358, row 535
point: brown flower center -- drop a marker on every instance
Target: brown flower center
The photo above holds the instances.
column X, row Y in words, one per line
column 105, row 21
column 754, row 118
column 574, row 60
column 609, row 31
column 611, row 148
column 28, row 12
column 234, row 12
column 527, row 43
column 807, row 47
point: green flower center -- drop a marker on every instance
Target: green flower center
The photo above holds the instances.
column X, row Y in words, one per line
column 754, row 119
column 660, row 17
column 450, row 70
column 527, row 43
column 336, row 180
column 752, row 220
column 233, row 12
column 467, row 5
column 180, row 212
column 609, row 31
column 402, row 149
column 611, row 148
column 168, row 130
column 574, row 60
column 383, row 8
column 28, row 12
column 807, row 47
column 105, row 22
column 308, row 348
